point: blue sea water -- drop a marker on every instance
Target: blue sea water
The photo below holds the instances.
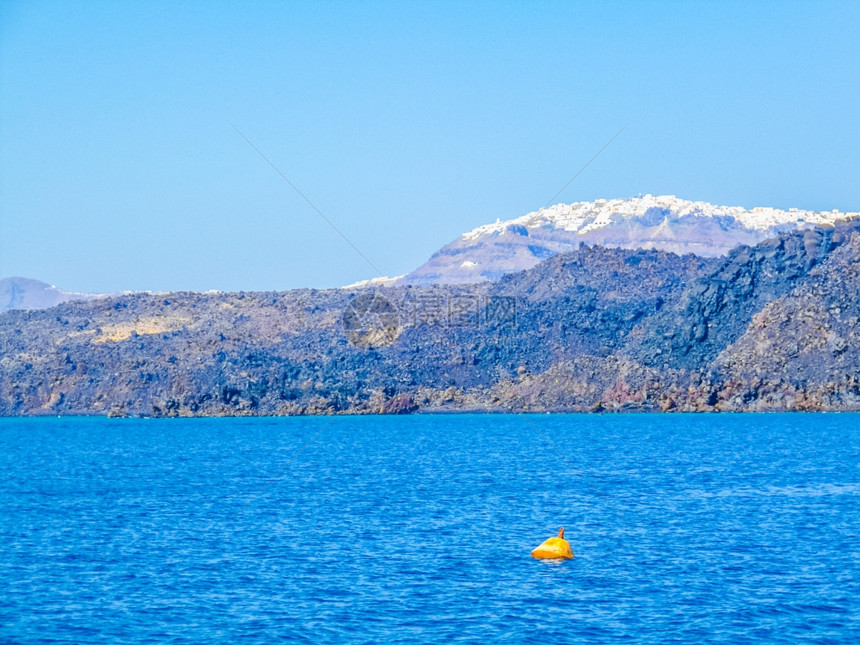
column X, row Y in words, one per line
column 689, row 528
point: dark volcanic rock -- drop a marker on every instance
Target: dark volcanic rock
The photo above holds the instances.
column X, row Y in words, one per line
column 768, row 327
column 716, row 309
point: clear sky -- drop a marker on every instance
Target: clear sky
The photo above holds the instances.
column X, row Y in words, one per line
column 406, row 124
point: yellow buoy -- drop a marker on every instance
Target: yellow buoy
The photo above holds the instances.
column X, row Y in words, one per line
column 554, row 548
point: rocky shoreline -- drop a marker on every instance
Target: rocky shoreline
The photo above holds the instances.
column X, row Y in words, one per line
column 773, row 327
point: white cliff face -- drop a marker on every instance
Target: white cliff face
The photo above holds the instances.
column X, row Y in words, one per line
column 666, row 223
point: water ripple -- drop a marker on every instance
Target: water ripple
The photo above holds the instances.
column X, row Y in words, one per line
column 724, row 529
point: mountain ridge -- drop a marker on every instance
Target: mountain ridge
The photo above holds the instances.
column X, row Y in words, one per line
column 665, row 223
column 490, row 251
column 766, row 327
column 27, row 293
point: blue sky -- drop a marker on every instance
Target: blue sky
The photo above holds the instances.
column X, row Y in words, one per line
column 406, row 124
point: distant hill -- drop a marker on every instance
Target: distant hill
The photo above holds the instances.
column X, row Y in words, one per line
column 664, row 223
column 24, row 293
column 774, row 326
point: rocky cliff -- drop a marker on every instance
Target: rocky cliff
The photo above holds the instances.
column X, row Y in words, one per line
column 772, row 326
column 665, row 223
column 24, row 293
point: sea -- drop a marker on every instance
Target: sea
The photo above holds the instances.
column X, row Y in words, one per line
column 712, row 528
